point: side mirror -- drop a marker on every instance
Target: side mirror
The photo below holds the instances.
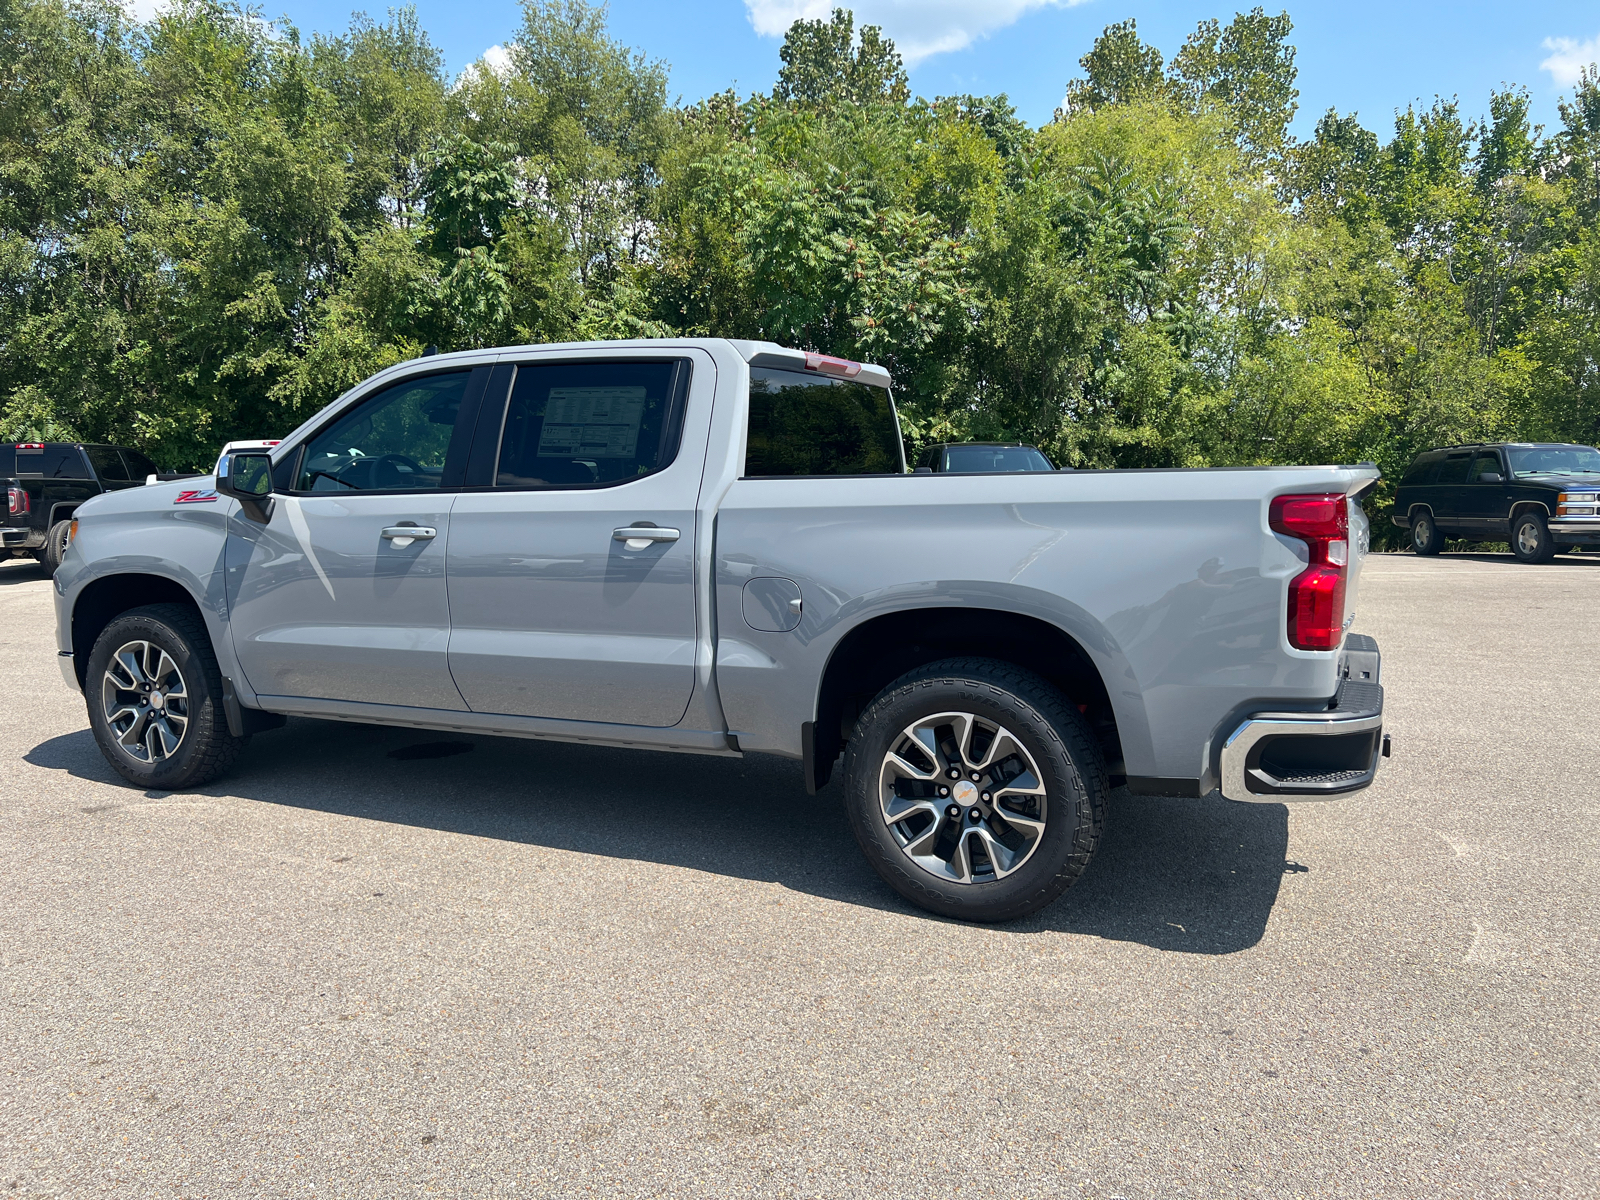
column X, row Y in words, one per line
column 1490, row 477
column 922, row 470
column 247, row 477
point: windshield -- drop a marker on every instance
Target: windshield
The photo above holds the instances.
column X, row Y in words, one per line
column 1555, row 460
column 995, row 458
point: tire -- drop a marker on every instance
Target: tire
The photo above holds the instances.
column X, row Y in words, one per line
column 55, row 545
column 1425, row 536
column 159, row 651
column 925, row 854
column 1530, row 539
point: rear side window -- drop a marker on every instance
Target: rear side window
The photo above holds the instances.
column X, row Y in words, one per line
column 1420, row 472
column 805, row 424
column 138, row 465
column 585, row 424
column 107, row 464
column 1454, row 469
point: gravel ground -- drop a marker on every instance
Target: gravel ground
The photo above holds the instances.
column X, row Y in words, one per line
column 534, row 969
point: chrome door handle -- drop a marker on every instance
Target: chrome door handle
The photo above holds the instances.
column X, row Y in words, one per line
column 638, row 537
column 403, row 535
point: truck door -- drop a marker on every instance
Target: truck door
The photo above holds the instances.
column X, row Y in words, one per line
column 571, row 563
column 341, row 596
column 1486, row 502
column 1448, row 492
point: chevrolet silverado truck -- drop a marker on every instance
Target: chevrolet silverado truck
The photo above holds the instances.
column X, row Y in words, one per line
column 715, row 547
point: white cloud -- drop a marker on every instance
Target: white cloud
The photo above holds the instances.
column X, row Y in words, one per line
column 1570, row 58
column 919, row 28
column 145, row 10
column 498, row 59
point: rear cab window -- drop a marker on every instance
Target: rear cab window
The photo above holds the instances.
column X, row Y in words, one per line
column 52, row 462
column 802, row 423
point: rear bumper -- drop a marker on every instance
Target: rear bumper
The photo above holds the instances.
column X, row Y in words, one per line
column 20, row 539
column 1278, row 756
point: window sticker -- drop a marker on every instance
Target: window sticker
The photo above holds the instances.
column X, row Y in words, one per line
column 592, row 422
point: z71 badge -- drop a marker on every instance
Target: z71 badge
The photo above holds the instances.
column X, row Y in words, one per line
column 201, row 496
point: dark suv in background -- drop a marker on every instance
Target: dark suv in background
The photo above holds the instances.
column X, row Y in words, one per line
column 1541, row 497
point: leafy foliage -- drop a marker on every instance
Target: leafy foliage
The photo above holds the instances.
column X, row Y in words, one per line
column 210, row 226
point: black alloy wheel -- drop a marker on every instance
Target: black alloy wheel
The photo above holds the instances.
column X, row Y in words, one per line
column 976, row 790
column 154, row 693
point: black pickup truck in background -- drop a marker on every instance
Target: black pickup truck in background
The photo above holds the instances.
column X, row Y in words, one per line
column 44, row 483
column 1539, row 496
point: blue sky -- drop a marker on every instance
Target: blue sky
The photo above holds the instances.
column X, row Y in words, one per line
column 1370, row 56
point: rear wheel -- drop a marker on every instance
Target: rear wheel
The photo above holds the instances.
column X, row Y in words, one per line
column 155, row 699
column 975, row 789
column 1530, row 539
column 55, row 545
column 1425, row 535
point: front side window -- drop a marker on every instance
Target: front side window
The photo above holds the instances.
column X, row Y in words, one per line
column 806, row 424
column 584, row 424
column 1484, row 464
column 395, row 441
column 1555, row 460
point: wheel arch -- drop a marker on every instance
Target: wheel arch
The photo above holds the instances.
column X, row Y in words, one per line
column 103, row 600
column 884, row 647
column 1525, row 506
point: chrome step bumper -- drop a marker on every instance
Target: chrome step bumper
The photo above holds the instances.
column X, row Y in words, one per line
column 1275, row 757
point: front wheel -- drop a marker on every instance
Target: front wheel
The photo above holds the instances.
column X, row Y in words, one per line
column 155, row 700
column 975, row 789
column 1530, row 539
column 1425, row 535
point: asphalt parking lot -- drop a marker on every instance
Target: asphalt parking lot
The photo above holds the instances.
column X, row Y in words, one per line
column 535, row 969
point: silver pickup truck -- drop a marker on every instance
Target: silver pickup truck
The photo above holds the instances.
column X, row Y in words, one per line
column 714, row 546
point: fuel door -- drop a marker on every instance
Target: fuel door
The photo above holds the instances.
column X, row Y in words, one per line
column 772, row 604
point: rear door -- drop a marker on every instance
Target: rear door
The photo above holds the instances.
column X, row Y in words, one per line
column 1447, row 495
column 554, row 612
column 1486, row 504
column 341, row 595
column 111, row 468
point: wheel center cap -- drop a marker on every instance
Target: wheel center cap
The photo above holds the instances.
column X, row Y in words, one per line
column 157, row 700
column 965, row 793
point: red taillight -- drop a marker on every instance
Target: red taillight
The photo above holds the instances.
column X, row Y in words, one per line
column 1316, row 595
column 829, row 365
column 16, row 500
